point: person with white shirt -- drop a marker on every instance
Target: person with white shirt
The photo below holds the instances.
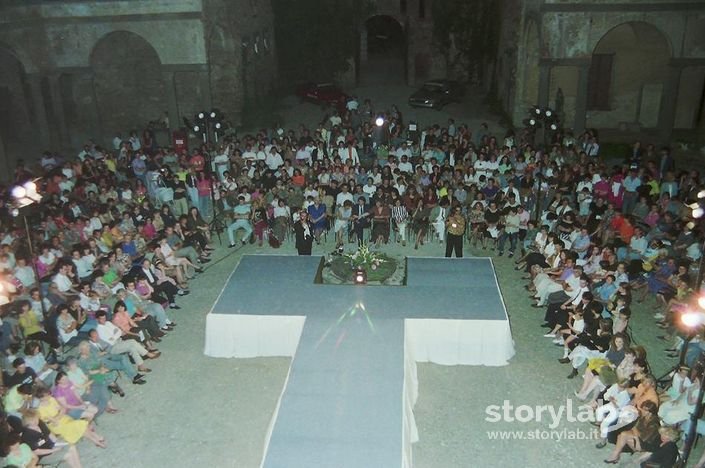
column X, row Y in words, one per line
column 249, row 154
column 62, row 282
column 261, row 154
column 349, row 153
column 369, row 188
column 25, row 274
column 303, row 156
column 405, row 165
column 222, row 164
column 113, row 336
column 84, row 266
column 117, row 142
column 274, row 160
column 344, row 196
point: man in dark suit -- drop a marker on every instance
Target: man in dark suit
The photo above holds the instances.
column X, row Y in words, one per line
column 666, row 164
column 361, row 219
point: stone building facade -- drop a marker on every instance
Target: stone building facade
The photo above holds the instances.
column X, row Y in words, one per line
column 75, row 69
column 631, row 65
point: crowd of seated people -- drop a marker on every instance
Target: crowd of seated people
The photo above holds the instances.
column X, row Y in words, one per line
column 122, row 232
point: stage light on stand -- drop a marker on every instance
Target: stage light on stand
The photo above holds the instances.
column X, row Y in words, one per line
column 532, row 122
column 196, row 128
column 698, row 212
column 212, row 115
column 554, row 126
column 201, row 115
column 379, row 121
column 23, row 197
column 701, row 302
column 701, row 194
column 548, row 113
column 360, row 276
column 692, row 319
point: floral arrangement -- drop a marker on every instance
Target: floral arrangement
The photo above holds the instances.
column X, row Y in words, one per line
column 363, row 257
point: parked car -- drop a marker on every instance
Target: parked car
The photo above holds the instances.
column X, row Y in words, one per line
column 324, row 93
column 435, row 94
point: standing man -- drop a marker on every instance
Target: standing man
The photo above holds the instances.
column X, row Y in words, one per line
column 455, row 226
column 304, row 234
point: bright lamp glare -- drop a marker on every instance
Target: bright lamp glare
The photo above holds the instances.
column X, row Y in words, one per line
column 19, row 192
column 379, row 121
column 201, row 115
column 196, row 128
column 212, row 114
column 15, row 212
column 537, row 111
column 701, row 194
column 554, row 127
column 692, row 319
column 698, row 212
column 2, row 288
column 701, row 302
column 217, row 126
column 532, row 122
column 549, row 112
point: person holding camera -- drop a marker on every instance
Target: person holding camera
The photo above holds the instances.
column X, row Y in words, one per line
column 455, row 230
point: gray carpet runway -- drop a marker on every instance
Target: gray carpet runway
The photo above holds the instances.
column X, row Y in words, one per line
column 342, row 405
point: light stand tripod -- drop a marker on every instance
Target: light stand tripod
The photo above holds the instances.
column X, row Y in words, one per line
column 205, row 122
column 216, row 224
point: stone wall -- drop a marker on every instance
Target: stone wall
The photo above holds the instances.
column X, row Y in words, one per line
column 657, row 78
column 94, row 68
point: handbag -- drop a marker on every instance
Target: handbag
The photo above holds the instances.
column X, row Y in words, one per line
column 273, row 241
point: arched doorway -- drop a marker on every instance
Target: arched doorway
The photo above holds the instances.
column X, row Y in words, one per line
column 16, row 121
column 627, row 74
column 383, row 60
column 129, row 89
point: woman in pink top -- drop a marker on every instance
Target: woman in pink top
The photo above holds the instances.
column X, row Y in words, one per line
column 69, row 399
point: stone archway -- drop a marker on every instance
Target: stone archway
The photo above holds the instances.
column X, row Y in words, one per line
column 383, row 53
column 628, row 72
column 128, row 84
column 16, row 119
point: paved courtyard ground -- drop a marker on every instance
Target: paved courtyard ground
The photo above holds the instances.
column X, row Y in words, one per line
column 199, row 411
column 205, row 412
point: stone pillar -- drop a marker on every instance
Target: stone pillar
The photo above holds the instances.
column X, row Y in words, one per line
column 544, row 84
column 172, row 102
column 95, row 111
column 7, row 173
column 363, row 45
column 59, row 110
column 40, row 115
column 669, row 98
column 581, row 97
column 206, row 95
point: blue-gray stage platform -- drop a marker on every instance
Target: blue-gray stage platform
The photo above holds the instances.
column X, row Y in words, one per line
column 344, row 401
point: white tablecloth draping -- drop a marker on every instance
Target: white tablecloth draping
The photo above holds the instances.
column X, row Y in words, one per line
column 247, row 336
column 440, row 341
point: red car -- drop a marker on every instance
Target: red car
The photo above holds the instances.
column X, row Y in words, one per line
column 324, row 93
